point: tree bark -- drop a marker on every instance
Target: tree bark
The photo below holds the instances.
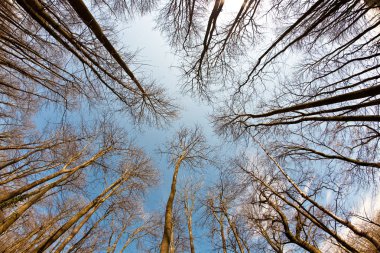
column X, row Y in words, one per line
column 191, row 237
column 7, row 196
column 168, row 227
column 234, row 230
column 93, row 204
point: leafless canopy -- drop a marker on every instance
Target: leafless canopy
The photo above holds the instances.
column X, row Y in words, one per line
column 57, row 50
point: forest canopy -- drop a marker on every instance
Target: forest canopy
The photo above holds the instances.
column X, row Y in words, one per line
column 293, row 88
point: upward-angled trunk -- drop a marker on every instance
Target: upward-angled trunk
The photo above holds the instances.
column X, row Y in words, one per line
column 76, row 229
column 88, row 232
column 168, row 227
column 189, row 207
column 220, row 219
column 224, row 243
column 191, row 237
column 325, row 210
column 9, row 195
column 37, row 195
column 86, row 16
column 85, row 210
column 116, row 242
column 7, row 222
column 24, row 244
column 131, row 237
column 172, row 247
column 234, row 230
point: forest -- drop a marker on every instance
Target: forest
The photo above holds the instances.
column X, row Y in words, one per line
column 292, row 94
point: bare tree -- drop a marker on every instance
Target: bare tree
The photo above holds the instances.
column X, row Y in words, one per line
column 330, row 92
column 71, row 165
column 188, row 198
column 187, row 149
column 223, row 205
column 370, row 225
column 297, row 79
column 284, row 209
column 58, row 54
column 69, row 28
column 309, row 91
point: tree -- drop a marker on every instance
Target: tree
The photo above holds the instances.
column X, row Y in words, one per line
column 309, row 92
column 369, row 225
column 222, row 204
column 55, row 190
column 298, row 80
column 187, row 149
column 71, row 36
column 330, row 90
column 285, row 209
column 188, row 198
column 48, row 178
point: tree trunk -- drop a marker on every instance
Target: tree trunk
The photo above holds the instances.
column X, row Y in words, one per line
column 7, row 196
column 172, row 246
column 168, row 227
column 41, row 192
column 221, row 225
column 97, row 201
column 86, row 16
column 75, row 231
column 224, row 243
column 234, row 230
column 131, row 238
column 191, row 237
column 83, row 238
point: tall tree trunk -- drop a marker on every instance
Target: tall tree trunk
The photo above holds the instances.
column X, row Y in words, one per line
column 7, row 196
column 97, row 201
column 23, row 244
column 131, row 237
column 168, row 227
column 23, row 208
column 172, row 246
column 234, row 230
column 76, row 229
column 342, row 221
column 88, row 232
column 189, row 207
column 41, row 192
column 221, row 225
column 113, row 247
column 86, row 16
column 191, row 237
column 224, row 243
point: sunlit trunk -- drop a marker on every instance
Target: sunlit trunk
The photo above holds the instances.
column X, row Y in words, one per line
column 7, row 196
column 234, row 230
column 190, row 229
column 91, row 207
column 168, row 227
column 41, row 192
column 84, row 237
column 223, row 238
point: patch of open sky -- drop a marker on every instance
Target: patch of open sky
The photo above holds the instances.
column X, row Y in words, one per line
column 157, row 61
